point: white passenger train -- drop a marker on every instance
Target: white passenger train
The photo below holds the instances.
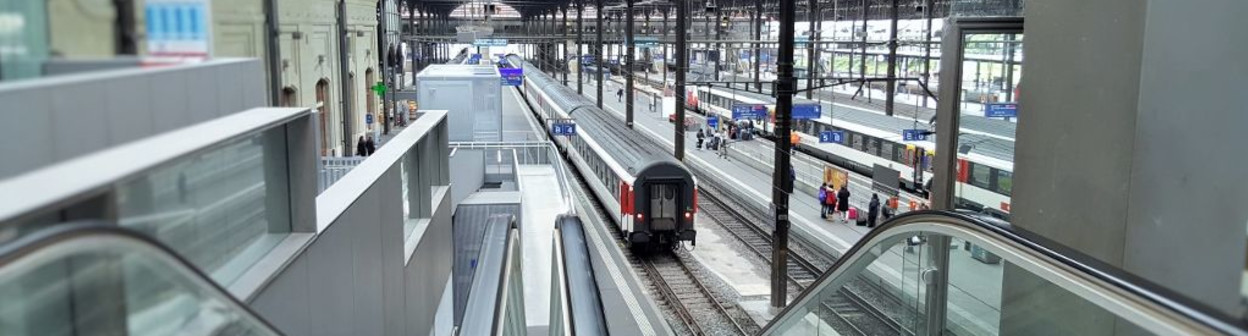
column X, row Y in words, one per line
column 653, row 195
column 983, row 183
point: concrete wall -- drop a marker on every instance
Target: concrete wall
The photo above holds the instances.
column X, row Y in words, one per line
column 54, row 119
column 468, row 175
column 82, row 29
column 1125, row 148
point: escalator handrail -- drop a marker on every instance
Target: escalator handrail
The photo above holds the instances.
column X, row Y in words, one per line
column 1129, row 284
column 66, row 234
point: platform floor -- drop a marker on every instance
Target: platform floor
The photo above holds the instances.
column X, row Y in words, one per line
column 975, row 296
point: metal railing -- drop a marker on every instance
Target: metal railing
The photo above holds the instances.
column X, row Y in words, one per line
column 1051, row 289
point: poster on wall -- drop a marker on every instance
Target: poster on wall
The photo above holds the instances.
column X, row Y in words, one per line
column 178, row 31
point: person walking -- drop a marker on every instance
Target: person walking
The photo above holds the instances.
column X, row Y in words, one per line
column 360, row 148
column 619, row 95
column 723, row 145
column 701, row 137
column 823, row 198
column 842, row 201
column 873, row 210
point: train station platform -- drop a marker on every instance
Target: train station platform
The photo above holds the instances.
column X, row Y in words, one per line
column 972, row 299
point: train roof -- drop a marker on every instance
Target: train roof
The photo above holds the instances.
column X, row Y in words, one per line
column 633, row 151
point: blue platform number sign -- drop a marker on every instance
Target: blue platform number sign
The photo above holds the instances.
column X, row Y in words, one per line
column 913, row 135
column 836, row 137
column 712, row 122
column 563, row 127
column 512, row 76
column 1001, row 110
column 368, row 119
column 749, row 111
column 807, row 111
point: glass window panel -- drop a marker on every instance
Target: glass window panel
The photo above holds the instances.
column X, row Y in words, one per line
column 222, row 209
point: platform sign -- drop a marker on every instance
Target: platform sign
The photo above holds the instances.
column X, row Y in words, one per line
column 489, row 43
column 512, row 76
column 178, row 29
column 646, row 42
column 368, row 119
column 807, row 111
column 836, row 137
column 749, row 111
column 913, row 134
column 563, row 127
column 712, row 122
column 1001, row 110
column 474, row 59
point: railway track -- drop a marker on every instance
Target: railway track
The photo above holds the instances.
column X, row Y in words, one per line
column 675, row 286
column 845, row 310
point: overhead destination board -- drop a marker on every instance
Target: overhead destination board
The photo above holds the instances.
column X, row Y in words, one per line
column 512, row 76
column 489, row 43
column 807, row 111
column 749, row 111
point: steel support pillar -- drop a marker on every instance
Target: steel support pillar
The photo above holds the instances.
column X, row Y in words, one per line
column 627, row 65
column 682, row 64
column 782, row 182
column 758, row 47
column 580, row 37
column 598, row 61
column 891, row 81
column 344, row 79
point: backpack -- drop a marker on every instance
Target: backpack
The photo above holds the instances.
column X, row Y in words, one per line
column 823, row 195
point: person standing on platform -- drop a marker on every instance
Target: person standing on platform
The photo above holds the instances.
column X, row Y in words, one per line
column 829, row 202
column 842, row 201
column 701, row 137
column 370, row 146
column 823, row 198
column 873, row 210
column 360, row 148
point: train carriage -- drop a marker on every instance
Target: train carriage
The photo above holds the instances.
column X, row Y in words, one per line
column 652, row 195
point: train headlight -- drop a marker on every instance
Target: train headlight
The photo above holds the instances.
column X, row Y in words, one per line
column 688, row 215
column 640, row 217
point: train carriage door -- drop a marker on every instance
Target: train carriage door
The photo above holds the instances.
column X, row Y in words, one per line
column 663, row 206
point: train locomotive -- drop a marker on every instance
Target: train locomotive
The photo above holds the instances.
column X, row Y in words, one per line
column 652, row 197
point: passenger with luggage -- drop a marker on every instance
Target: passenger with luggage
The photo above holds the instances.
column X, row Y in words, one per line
column 842, row 200
column 829, row 202
column 873, row 210
column 823, row 197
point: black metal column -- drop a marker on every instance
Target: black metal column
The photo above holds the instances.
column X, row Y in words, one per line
column 580, row 37
column 344, row 78
column 273, row 55
column 564, row 57
column 927, row 50
column 663, row 39
column 627, row 65
column 598, row 62
column 719, row 47
column 782, row 184
column 682, row 63
column 891, row 83
column 812, row 50
column 758, row 46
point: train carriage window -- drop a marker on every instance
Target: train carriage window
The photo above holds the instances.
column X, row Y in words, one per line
column 1005, row 182
column 899, row 151
column 980, row 176
column 886, row 151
